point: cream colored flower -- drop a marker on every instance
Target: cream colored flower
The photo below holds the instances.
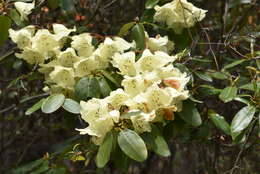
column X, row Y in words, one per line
column 98, row 128
column 85, row 66
column 24, row 9
column 63, row 76
column 133, row 85
column 157, row 97
column 83, row 44
column 168, row 71
column 150, row 62
column 109, row 47
column 99, row 117
column 141, row 122
column 23, row 36
column 93, row 109
column 30, row 56
column 151, row 78
column 159, row 44
column 61, row 31
column 177, row 82
column 68, row 57
column 125, row 63
column 179, row 14
column 45, row 43
column 117, row 98
column 121, row 45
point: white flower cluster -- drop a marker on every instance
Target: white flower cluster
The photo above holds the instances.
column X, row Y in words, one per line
column 63, row 66
column 179, row 14
column 150, row 81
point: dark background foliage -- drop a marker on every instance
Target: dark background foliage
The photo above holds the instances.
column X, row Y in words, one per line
column 225, row 36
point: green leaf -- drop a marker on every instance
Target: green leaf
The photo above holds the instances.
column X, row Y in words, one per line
column 125, row 29
column 233, row 64
column 35, row 107
column 204, row 76
column 210, row 90
column 220, row 122
column 67, row 5
column 57, row 171
column 87, row 87
column 250, row 86
column 228, row 94
column 219, row 75
column 159, row 144
column 190, row 114
column 109, row 76
column 194, row 100
column 120, row 160
column 242, row 119
column 104, row 150
column 15, row 16
column 138, row 36
column 42, row 169
column 132, row 145
column 239, row 138
column 28, row 167
column 151, row 3
column 5, row 24
column 71, row 106
column 242, row 100
column 53, row 103
column 204, row 60
column 105, row 89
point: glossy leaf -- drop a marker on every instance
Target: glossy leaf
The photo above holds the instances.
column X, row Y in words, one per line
column 159, row 144
column 71, row 106
column 132, row 145
column 209, row 90
column 125, row 29
column 220, row 122
column 87, row 87
column 53, row 103
column 138, row 36
column 59, row 170
column 110, row 77
column 233, row 64
column 35, row 107
column 204, row 76
column 5, row 24
column 242, row 119
column 105, row 89
column 190, row 114
column 228, row 94
column 28, row 167
column 104, row 150
column 219, row 75
column 250, row 86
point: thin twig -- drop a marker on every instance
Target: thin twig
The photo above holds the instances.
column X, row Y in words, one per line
column 23, row 101
column 211, row 50
column 242, row 149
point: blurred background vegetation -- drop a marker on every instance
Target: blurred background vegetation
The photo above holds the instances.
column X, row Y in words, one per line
column 224, row 51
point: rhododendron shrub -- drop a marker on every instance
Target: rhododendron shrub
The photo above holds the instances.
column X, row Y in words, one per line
column 133, row 90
